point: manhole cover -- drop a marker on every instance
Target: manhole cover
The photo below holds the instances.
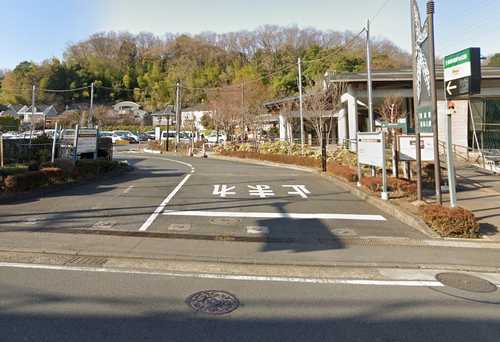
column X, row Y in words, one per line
column 466, row 282
column 226, row 221
column 213, row 302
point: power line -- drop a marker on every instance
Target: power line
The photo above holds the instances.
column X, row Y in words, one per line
column 372, row 19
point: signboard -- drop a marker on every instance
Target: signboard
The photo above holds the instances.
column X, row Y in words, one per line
column 407, row 150
column 462, row 73
column 371, row 149
column 87, row 140
column 401, row 124
column 421, row 70
column 425, row 119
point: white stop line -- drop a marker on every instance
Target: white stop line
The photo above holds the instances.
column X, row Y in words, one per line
column 295, row 216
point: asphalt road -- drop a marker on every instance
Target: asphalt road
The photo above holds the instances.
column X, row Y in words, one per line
column 207, row 196
column 56, row 305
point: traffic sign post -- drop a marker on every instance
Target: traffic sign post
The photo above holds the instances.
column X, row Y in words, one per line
column 462, row 73
column 462, row 78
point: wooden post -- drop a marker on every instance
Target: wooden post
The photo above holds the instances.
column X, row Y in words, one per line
column 1, row 151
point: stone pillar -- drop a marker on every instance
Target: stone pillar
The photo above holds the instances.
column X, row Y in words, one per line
column 342, row 127
column 283, row 127
column 352, row 118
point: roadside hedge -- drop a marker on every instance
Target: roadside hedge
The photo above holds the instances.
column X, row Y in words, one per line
column 346, row 172
column 451, row 222
column 277, row 158
column 53, row 174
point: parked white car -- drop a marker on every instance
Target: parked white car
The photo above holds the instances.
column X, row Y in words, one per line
column 212, row 138
column 124, row 136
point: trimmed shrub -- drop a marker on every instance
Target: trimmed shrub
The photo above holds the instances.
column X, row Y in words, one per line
column 9, row 171
column 92, row 168
column 54, row 175
column 277, row 158
column 345, row 172
column 403, row 186
column 374, row 184
column 68, row 166
column 26, row 181
column 83, row 169
column 451, row 222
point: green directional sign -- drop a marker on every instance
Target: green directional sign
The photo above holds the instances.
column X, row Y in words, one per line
column 462, row 73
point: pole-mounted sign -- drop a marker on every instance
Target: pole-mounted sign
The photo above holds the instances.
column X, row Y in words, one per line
column 462, row 73
column 462, row 77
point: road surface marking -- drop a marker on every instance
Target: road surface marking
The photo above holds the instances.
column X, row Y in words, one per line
column 258, row 230
column 300, row 190
column 104, row 225
column 294, row 216
column 127, row 190
column 262, row 191
column 217, row 276
column 163, row 204
column 343, row 232
column 223, row 190
column 179, row 227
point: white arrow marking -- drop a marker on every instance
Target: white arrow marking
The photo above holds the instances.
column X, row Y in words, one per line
column 449, row 88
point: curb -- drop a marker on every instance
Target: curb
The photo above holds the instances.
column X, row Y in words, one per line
column 231, row 262
column 387, row 207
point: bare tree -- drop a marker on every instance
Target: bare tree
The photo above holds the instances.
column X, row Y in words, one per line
column 226, row 106
column 320, row 105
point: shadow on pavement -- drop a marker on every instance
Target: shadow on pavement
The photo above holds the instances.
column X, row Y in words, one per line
column 34, row 315
column 310, row 232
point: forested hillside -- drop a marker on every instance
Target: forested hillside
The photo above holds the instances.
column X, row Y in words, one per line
column 145, row 68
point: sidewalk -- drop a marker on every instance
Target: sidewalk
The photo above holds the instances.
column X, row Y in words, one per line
column 479, row 191
column 427, row 254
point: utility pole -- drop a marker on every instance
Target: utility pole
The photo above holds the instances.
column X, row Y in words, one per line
column 91, row 110
column 369, row 84
column 369, row 71
column 54, row 141
column 301, row 106
column 1, row 150
column 432, row 67
column 32, row 121
column 178, row 113
column 418, row 151
column 243, row 131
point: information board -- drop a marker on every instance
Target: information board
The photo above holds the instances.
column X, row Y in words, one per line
column 87, row 140
column 407, row 150
column 371, row 149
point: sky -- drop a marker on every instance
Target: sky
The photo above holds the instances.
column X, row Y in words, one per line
column 40, row 29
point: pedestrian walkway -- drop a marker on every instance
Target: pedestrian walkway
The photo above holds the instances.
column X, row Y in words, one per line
column 479, row 191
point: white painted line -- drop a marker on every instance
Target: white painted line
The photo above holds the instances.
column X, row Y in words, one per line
column 163, row 204
column 327, row 281
column 294, row 216
column 258, row 230
column 127, row 190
